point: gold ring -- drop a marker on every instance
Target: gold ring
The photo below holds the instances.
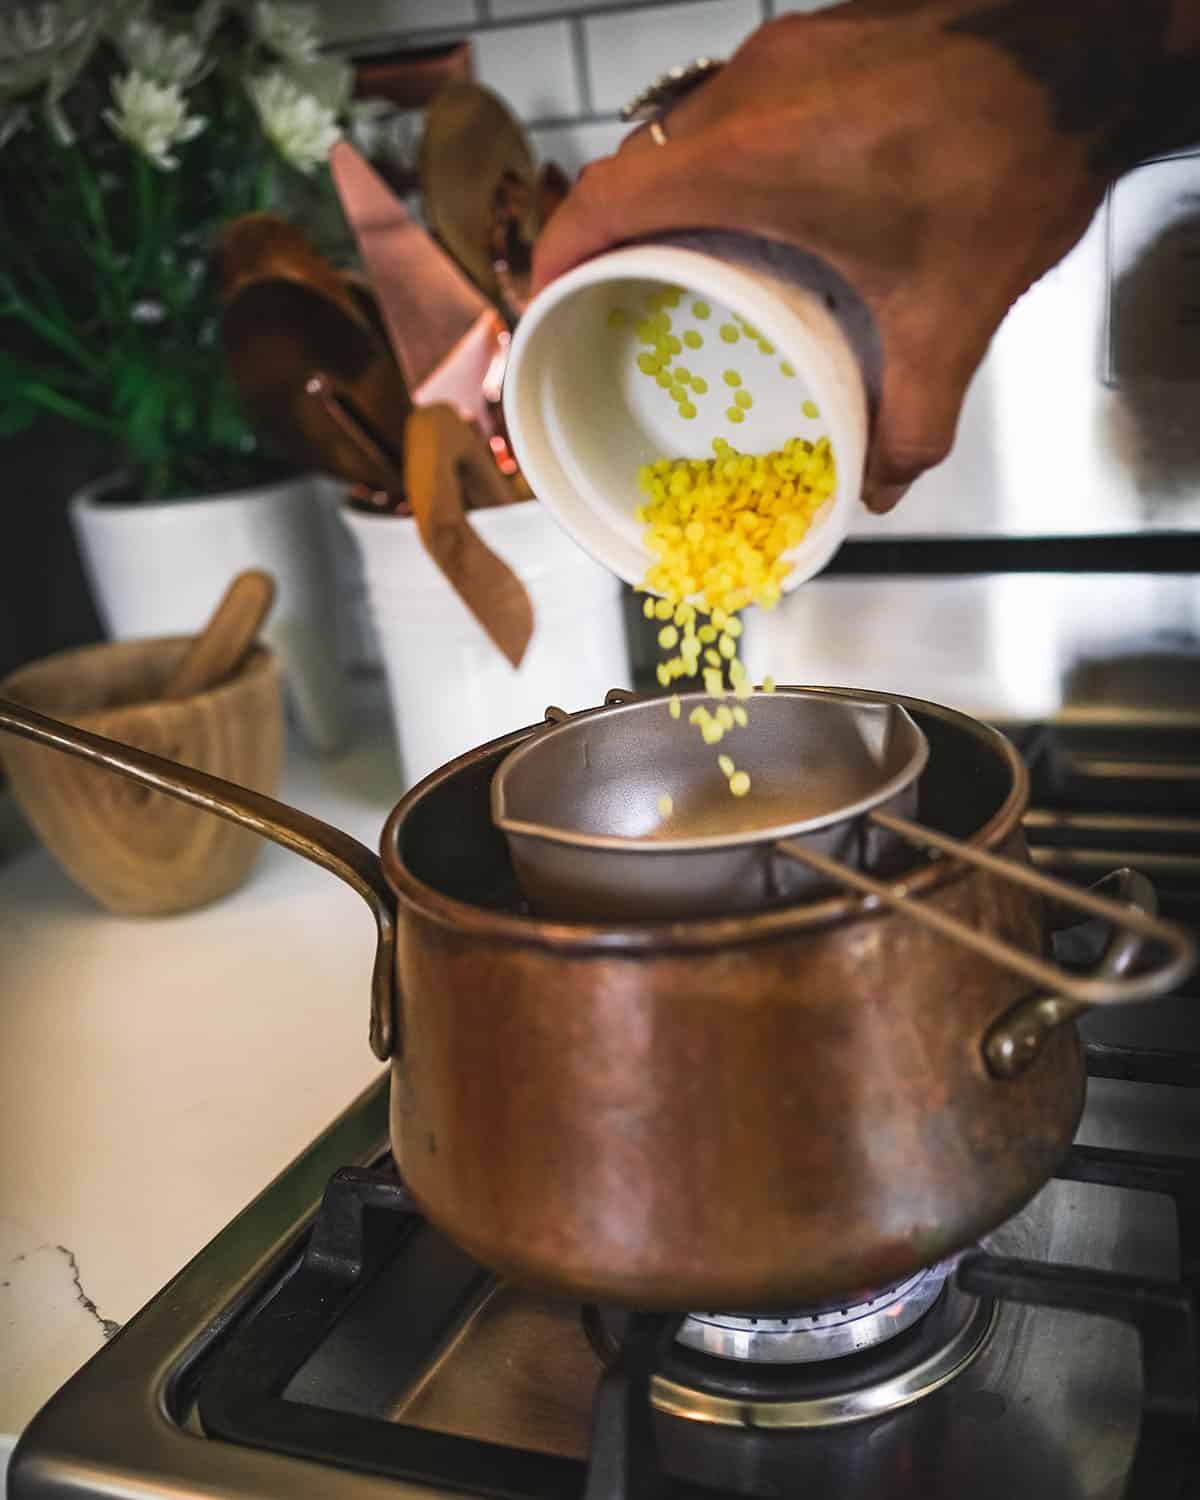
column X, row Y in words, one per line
column 658, row 133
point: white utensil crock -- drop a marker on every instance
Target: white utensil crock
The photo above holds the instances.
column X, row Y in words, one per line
column 451, row 688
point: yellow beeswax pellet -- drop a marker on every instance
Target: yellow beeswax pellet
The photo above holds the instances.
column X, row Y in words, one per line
column 692, row 339
column 743, row 399
column 676, row 707
column 648, row 363
column 726, row 764
column 665, row 805
column 740, row 717
column 701, row 309
column 724, row 716
column 731, row 377
column 787, row 368
column 811, row 409
column 739, row 783
column 667, row 637
column 687, row 409
column 735, row 414
column 729, row 333
column 699, row 384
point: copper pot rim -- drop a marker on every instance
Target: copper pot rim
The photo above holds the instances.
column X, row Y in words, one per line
column 696, row 934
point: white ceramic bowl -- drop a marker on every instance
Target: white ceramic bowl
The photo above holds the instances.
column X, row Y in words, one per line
column 582, row 417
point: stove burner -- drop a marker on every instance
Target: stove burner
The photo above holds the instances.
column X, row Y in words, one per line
column 828, row 1331
column 833, row 1392
column 944, row 1331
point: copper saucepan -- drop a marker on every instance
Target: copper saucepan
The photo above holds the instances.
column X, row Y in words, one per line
column 754, row 1111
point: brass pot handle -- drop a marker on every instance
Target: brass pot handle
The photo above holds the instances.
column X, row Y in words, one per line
column 1017, row 1039
column 328, row 847
column 1019, row 1035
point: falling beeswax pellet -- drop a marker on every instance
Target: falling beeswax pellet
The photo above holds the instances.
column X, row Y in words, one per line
column 702, row 309
column 692, row 339
column 729, row 333
column 718, row 529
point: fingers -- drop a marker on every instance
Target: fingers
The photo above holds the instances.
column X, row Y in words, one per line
column 925, row 380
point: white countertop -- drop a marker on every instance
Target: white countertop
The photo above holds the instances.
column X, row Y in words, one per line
column 156, row 1073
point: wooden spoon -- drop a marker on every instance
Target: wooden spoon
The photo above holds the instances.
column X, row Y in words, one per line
column 225, row 642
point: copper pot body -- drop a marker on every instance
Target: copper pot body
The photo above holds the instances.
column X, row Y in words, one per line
column 751, row 1113
column 744, row 1113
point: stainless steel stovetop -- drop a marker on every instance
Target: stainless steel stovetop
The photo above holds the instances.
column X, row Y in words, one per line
column 433, row 1379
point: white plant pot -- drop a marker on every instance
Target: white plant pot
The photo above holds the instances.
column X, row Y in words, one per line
column 451, row 689
column 160, row 568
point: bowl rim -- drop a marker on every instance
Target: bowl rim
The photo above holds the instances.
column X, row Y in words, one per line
column 550, row 833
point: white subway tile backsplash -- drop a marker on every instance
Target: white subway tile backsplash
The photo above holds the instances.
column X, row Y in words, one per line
column 507, row 10
column 627, row 51
column 573, row 146
column 370, row 20
column 531, row 67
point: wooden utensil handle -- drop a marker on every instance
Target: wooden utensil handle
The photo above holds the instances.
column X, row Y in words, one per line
column 217, row 652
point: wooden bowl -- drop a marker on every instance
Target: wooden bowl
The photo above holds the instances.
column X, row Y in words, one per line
column 139, row 852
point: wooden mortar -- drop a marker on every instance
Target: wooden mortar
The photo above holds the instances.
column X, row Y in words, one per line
column 136, row 851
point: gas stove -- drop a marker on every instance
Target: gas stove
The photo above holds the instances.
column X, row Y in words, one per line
column 331, row 1342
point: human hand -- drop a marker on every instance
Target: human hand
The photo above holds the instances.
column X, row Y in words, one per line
column 892, row 138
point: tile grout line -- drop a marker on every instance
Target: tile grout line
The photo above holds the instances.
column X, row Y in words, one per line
column 428, row 35
column 583, row 77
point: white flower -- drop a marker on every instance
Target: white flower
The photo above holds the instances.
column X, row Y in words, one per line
column 152, row 117
column 165, row 56
column 288, row 29
column 48, row 44
column 299, row 126
column 35, row 40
